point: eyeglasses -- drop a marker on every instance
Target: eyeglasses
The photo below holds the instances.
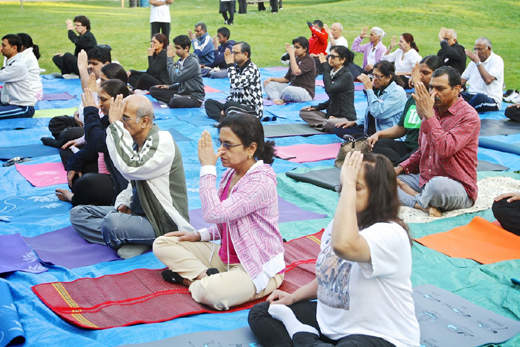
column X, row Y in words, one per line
column 333, row 56
column 235, row 52
column 126, row 118
column 227, row 146
column 477, row 49
column 377, row 77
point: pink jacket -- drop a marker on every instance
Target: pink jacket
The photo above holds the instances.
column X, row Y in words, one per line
column 251, row 213
column 365, row 49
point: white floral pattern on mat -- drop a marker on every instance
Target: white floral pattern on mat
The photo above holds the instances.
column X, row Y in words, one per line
column 488, row 189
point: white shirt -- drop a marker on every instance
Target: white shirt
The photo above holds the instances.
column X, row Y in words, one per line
column 160, row 13
column 341, row 41
column 494, row 65
column 369, row 298
column 371, row 57
column 17, row 89
column 403, row 64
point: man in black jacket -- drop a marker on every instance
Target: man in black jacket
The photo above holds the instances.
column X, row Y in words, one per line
column 67, row 62
column 451, row 53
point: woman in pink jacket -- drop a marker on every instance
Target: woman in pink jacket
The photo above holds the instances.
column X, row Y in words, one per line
column 249, row 262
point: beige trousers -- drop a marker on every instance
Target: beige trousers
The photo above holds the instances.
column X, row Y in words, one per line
column 220, row 291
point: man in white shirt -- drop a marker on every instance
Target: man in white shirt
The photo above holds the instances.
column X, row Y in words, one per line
column 485, row 77
column 17, row 97
column 160, row 17
column 335, row 37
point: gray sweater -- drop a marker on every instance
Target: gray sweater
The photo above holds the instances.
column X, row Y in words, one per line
column 186, row 76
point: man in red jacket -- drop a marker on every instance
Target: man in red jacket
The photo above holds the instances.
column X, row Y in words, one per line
column 317, row 42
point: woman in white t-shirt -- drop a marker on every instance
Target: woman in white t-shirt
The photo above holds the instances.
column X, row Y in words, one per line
column 363, row 272
column 404, row 58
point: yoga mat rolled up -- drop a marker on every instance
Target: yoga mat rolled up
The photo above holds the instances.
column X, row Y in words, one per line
column 498, row 146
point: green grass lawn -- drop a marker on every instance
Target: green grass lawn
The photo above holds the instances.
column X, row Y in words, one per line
column 127, row 29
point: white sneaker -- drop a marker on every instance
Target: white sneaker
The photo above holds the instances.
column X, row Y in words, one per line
column 510, row 97
column 70, row 76
column 515, row 99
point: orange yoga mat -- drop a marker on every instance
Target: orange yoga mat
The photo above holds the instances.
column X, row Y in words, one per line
column 480, row 240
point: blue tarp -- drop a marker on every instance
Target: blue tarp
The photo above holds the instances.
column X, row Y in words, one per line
column 32, row 211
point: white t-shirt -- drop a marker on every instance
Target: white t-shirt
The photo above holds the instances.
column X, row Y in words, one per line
column 339, row 42
column 405, row 64
column 160, row 13
column 369, row 298
column 494, row 65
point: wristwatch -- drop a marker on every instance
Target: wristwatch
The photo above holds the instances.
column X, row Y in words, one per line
column 477, row 64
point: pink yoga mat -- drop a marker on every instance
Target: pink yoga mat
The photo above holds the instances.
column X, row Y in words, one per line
column 43, row 175
column 306, row 153
column 209, row 89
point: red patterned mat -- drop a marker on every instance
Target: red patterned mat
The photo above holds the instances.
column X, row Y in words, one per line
column 142, row 296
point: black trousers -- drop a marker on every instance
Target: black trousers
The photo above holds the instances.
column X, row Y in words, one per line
column 394, row 150
column 214, row 108
column 93, row 189
column 271, row 332
column 142, row 80
column 174, row 100
column 508, row 215
column 513, row 113
column 160, row 27
column 242, row 6
column 67, row 63
column 64, row 129
column 272, row 3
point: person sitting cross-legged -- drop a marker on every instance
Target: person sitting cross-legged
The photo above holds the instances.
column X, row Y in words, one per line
column 442, row 174
column 187, row 89
column 299, row 82
column 339, row 86
column 362, row 285
column 249, row 261
column 155, row 201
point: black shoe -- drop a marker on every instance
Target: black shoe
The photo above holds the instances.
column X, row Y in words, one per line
column 212, row 271
column 172, row 277
column 50, row 141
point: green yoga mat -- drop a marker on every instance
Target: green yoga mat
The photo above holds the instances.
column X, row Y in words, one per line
column 53, row 112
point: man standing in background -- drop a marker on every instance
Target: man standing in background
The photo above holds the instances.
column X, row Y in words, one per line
column 160, row 17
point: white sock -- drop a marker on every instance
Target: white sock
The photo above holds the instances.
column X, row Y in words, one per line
column 285, row 315
column 131, row 250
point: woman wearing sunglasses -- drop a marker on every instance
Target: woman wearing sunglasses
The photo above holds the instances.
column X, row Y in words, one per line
column 249, row 261
column 339, row 86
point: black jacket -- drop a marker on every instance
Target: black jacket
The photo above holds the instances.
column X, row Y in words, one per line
column 453, row 56
column 340, row 90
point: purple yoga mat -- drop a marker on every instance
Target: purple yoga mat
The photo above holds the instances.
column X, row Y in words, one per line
column 58, row 96
column 288, row 213
column 17, row 256
column 64, row 247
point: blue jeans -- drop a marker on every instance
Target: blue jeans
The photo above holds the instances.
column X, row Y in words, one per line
column 104, row 225
column 440, row 192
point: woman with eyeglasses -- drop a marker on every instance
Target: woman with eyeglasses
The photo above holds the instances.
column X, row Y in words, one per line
column 249, row 261
column 404, row 58
column 387, row 141
column 362, row 285
column 385, row 99
column 157, row 72
column 339, row 86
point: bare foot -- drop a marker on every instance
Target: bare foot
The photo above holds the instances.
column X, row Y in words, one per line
column 406, row 188
column 434, row 212
column 64, row 195
column 279, row 101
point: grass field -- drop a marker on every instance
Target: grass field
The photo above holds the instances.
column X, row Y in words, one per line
column 127, row 29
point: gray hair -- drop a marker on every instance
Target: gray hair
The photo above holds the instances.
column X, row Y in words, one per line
column 379, row 32
column 338, row 25
column 145, row 109
column 485, row 41
column 202, row 25
column 453, row 33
